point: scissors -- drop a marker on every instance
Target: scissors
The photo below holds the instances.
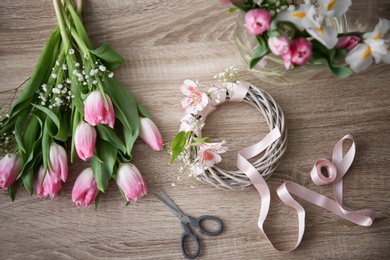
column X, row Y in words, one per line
column 185, row 221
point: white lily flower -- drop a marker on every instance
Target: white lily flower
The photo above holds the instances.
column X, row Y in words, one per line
column 297, row 16
column 311, row 17
column 335, row 8
column 374, row 46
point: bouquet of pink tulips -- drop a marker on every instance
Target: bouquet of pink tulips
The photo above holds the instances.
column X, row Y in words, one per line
column 299, row 35
column 72, row 102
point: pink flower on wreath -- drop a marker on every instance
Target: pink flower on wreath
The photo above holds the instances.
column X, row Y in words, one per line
column 257, row 21
column 196, row 99
column 209, row 153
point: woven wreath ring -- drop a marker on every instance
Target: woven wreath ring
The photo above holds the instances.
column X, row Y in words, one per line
column 269, row 161
column 200, row 156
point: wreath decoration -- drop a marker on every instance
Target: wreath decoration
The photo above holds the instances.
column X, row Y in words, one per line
column 200, row 156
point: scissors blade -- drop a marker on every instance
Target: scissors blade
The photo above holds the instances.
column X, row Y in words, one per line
column 173, row 208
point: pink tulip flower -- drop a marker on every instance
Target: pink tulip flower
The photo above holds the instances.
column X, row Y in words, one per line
column 279, row 45
column 85, row 188
column 130, row 181
column 300, row 51
column 97, row 112
column 257, row 21
column 48, row 188
column 348, row 42
column 85, row 140
column 10, row 167
column 58, row 163
column 149, row 134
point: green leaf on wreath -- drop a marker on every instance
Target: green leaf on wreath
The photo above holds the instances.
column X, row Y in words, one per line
column 178, row 144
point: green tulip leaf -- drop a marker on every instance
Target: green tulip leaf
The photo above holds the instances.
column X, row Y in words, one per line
column 110, row 57
column 103, row 163
column 107, row 134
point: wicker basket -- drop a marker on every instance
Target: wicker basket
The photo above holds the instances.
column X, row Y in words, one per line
column 266, row 165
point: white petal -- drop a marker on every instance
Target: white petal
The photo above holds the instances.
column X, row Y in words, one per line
column 297, row 17
column 338, row 6
column 380, row 30
column 186, row 85
column 359, row 58
column 326, row 35
column 386, row 57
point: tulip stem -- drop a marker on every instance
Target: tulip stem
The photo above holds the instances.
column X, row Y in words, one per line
column 58, row 7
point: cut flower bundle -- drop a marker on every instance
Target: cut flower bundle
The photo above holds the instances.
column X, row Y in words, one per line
column 299, row 35
column 72, row 102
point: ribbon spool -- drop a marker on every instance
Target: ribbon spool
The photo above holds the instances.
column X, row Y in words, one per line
column 266, row 165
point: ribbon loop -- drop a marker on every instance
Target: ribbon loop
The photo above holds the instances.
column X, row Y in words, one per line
column 323, row 172
column 317, row 173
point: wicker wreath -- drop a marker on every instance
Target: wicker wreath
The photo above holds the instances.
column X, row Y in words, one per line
column 199, row 155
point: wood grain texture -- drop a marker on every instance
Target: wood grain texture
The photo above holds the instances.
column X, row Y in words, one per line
column 165, row 42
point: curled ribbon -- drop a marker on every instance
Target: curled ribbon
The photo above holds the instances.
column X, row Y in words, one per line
column 323, row 172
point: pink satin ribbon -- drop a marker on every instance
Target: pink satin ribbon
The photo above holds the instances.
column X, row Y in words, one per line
column 334, row 172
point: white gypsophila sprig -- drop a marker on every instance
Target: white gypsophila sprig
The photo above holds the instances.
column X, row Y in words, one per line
column 229, row 74
column 192, row 123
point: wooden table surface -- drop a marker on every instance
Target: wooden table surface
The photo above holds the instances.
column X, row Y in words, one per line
column 165, row 42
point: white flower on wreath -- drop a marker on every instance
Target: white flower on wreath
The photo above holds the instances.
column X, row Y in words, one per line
column 191, row 123
column 310, row 17
column 196, row 99
column 209, row 153
column 374, row 46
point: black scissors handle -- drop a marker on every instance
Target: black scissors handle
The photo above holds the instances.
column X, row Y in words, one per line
column 197, row 222
column 187, row 233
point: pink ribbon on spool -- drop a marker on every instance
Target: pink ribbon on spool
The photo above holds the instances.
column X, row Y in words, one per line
column 323, row 172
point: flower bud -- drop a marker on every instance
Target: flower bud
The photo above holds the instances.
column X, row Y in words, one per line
column 48, row 188
column 149, row 134
column 130, row 181
column 58, row 163
column 85, row 140
column 10, row 167
column 257, row 21
column 97, row 112
column 279, row 45
column 85, row 188
column 300, row 51
column 348, row 42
